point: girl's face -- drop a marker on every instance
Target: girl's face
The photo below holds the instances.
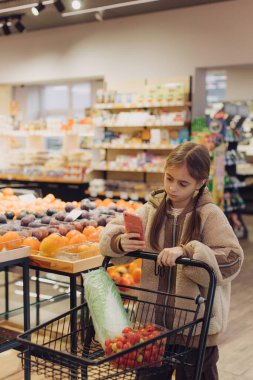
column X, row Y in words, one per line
column 180, row 186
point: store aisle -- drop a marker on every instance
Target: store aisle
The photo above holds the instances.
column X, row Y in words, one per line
column 236, row 350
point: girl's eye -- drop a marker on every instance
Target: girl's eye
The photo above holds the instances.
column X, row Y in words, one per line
column 169, row 179
column 183, row 184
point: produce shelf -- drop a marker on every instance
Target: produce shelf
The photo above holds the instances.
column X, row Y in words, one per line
column 67, row 266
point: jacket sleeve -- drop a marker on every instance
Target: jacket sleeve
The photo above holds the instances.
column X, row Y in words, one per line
column 110, row 238
column 219, row 249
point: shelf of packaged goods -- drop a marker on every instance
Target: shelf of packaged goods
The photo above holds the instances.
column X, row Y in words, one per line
column 134, row 196
column 46, row 134
column 141, row 170
column 234, row 185
column 135, row 146
column 171, row 126
column 110, row 106
column 234, row 208
column 19, row 177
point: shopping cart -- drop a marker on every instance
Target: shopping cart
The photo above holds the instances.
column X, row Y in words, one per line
column 66, row 346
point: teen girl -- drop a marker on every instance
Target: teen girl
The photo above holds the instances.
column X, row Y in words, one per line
column 182, row 220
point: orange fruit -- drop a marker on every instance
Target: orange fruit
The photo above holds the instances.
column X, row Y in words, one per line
column 65, row 240
column 49, row 197
column 7, row 191
column 11, row 240
column 93, row 236
column 72, row 233
column 52, row 244
column 137, row 275
column 133, row 265
column 89, row 230
column 87, row 250
column 33, row 243
column 77, row 239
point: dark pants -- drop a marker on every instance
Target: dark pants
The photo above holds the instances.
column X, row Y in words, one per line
column 209, row 370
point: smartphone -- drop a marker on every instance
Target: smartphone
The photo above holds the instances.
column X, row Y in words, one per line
column 133, row 223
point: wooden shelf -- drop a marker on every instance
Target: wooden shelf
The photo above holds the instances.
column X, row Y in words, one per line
column 127, row 170
column 17, row 177
column 134, row 196
column 144, row 126
column 135, row 147
column 45, row 134
column 67, row 266
column 120, row 107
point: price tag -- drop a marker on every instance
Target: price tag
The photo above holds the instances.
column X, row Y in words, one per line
column 74, row 214
column 27, row 198
column 109, row 194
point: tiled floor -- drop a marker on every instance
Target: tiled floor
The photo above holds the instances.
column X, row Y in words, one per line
column 236, row 349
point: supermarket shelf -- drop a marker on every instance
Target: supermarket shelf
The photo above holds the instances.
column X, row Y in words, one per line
column 46, row 133
column 20, row 177
column 134, row 196
column 234, row 208
column 110, row 106
column 235, row 185
column 127, row 170
column 135, row 146
column 176, row 125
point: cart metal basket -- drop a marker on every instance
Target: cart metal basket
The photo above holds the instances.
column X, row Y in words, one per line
column 66, row 346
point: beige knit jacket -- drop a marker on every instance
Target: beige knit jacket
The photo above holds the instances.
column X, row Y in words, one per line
column 218, row 247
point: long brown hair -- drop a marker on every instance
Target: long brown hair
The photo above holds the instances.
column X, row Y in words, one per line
column 197, row 161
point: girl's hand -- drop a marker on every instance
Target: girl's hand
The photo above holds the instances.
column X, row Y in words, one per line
column 167, row 257
column 129, row 242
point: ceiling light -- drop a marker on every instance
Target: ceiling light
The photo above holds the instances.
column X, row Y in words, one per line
column 76, row 4
column 19, row 26
column 39, row 8
column 99, row 16
column 59, row 6
column 6, row 29
column 25, row 6
column 105, row 7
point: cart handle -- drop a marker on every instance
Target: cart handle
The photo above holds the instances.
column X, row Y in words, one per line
column 180, row 260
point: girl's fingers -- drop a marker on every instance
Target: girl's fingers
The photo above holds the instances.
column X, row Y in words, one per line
column 133, row 235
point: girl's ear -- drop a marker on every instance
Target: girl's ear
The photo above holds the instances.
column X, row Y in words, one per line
column 202, row 183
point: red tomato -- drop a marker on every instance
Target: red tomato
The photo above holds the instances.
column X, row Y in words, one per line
column 119, row 344
column 107, row 342
column 127, row 330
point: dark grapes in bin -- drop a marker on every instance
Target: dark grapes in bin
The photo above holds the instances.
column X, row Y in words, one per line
column 9, row 214
column 84, row 215
column 54, row 222
column 69, row 207
column 21, row 214
column 51, row 211
column 45, row 219
column 26, row 220
column 60, row 216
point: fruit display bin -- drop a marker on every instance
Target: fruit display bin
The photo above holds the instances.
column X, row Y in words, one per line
column 13, row 254
column 65, row 265
column 70, row 259
column 66, row 347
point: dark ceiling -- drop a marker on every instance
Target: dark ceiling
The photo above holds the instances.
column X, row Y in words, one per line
column 50, row 17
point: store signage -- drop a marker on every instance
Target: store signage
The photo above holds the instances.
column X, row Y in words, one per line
column 74, row 214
